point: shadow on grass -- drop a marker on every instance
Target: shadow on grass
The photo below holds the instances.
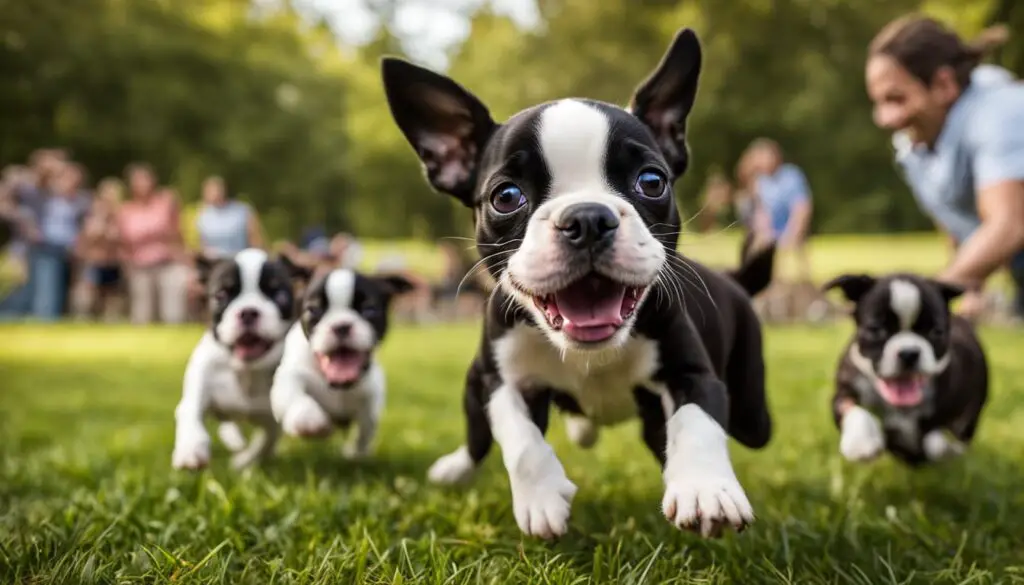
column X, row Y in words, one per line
column 323, row 460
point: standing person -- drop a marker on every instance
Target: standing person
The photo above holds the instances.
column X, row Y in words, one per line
column 226, row 226
column 152, row 249
column 784, row 204
column 98, row 250
column 959, row 139
column 60, row 214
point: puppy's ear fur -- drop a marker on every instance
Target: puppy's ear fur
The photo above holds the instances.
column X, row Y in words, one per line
column 853, row 285
column 395, row 284
column 664, row 100
column 204, row 266
column 295, row 271
column 948, row 290
column 445, row 123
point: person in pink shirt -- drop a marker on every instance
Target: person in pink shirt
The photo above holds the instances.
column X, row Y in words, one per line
column 153, row 250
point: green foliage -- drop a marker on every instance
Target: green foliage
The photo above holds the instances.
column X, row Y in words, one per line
column 87, row 494
column 255, row 92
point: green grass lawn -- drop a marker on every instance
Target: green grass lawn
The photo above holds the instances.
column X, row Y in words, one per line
column 87, row 494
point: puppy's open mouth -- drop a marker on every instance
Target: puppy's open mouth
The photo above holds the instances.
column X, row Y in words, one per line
column 591, row 309
column 903, row 390
column 250, row 347
column 342, row 366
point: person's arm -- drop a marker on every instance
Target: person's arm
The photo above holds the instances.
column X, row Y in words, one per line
column 255, row 230
column 998, row 168
column 799, row 209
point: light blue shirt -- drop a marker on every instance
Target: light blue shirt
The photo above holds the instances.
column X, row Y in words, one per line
column 779, row 192
column 61, row 220
column 982, row 143
column 224, row 230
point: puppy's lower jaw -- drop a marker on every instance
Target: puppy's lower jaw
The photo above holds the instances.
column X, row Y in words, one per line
column 342, row 366
column 590, row 310
column 702, row 492
column 250, row 347
column 905, row 390
column 862, row 438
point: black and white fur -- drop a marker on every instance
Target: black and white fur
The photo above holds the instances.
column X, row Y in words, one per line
column 344, row 316
column 251, row 305
column 907, row 339
column 576, row 187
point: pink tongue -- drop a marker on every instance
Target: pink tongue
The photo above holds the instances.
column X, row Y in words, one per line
column 341, row 368
column 592, row 308
column 249, row 351
column 901, row 392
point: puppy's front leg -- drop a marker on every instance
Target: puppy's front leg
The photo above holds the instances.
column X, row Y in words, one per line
column 366, row 423
column 701, row 489
column 459, row 465
column 541, row 493
column 191, row 441
column 297, row 412
column 861, row 437
column 260, row 447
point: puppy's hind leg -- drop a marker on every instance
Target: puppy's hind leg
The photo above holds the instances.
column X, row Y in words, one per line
column 459, row 465
column 230, row 434
column 750, row 421
column 581, row 431
column 261, row 446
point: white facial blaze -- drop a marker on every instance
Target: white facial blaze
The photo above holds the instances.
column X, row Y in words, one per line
column 339, row 288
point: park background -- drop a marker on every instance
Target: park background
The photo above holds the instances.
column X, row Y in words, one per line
column 271, row 96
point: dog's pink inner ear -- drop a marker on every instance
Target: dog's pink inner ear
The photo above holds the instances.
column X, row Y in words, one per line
column 448, row 158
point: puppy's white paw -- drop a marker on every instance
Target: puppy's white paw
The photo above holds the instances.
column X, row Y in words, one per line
column 451, row 469
column 244, row 459
column 701, row 499
column 352, row 452
column 581, row 431
column 305, row 418
column 541, row 493
column 231, row 435
column 938, row 445
column 191, row 449
column 862, row 437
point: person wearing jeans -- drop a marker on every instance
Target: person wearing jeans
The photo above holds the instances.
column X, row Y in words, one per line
column 153, row 251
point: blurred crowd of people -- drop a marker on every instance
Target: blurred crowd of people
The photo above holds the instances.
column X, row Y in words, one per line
column 119, row 250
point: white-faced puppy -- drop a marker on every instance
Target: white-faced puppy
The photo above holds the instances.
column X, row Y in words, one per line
column 594, row 311
column 912, row 364
column 228, row 376
column 329, row 376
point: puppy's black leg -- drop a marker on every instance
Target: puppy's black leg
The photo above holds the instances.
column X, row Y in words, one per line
column 459, row 465
column 652, row 421
column 750, row 422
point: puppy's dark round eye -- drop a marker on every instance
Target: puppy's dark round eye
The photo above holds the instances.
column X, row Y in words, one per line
column 651, row 184
column 507, row 199
column 875, row 332
column 314, row 311
column 937, row 332
column 370, row 311
column 221, row 296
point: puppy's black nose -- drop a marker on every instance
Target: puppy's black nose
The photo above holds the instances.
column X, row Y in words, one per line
column 909, row 356
column 248, row 316
column 342, row 329
column 588, row 225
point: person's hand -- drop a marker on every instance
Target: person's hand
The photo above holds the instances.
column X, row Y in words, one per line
column 972, row 305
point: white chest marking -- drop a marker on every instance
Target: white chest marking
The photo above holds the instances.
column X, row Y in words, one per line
column 601, row 383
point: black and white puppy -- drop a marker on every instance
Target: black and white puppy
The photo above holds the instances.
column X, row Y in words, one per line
column 912, row 364
column 329, row 376
column 228, row 376
column 594, row 310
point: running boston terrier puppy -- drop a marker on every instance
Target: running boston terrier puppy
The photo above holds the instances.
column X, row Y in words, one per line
column 912, row 364
column 329, row 376
column 228, row 375
column 594, row 311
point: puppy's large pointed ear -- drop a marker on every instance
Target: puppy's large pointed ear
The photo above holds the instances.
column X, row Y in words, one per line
column 446, row 124
column 664, row 100
column 395, row 284
column 295, row 271
column 853, row 285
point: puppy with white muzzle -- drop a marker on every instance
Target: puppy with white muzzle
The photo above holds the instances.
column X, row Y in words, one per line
column 329, row 376
column 595, row 312
column 914, row 378
column 229, row 373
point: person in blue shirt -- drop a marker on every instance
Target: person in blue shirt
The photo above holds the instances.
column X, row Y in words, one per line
column 959, row 140
column 784, row 205
column 226, row 225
